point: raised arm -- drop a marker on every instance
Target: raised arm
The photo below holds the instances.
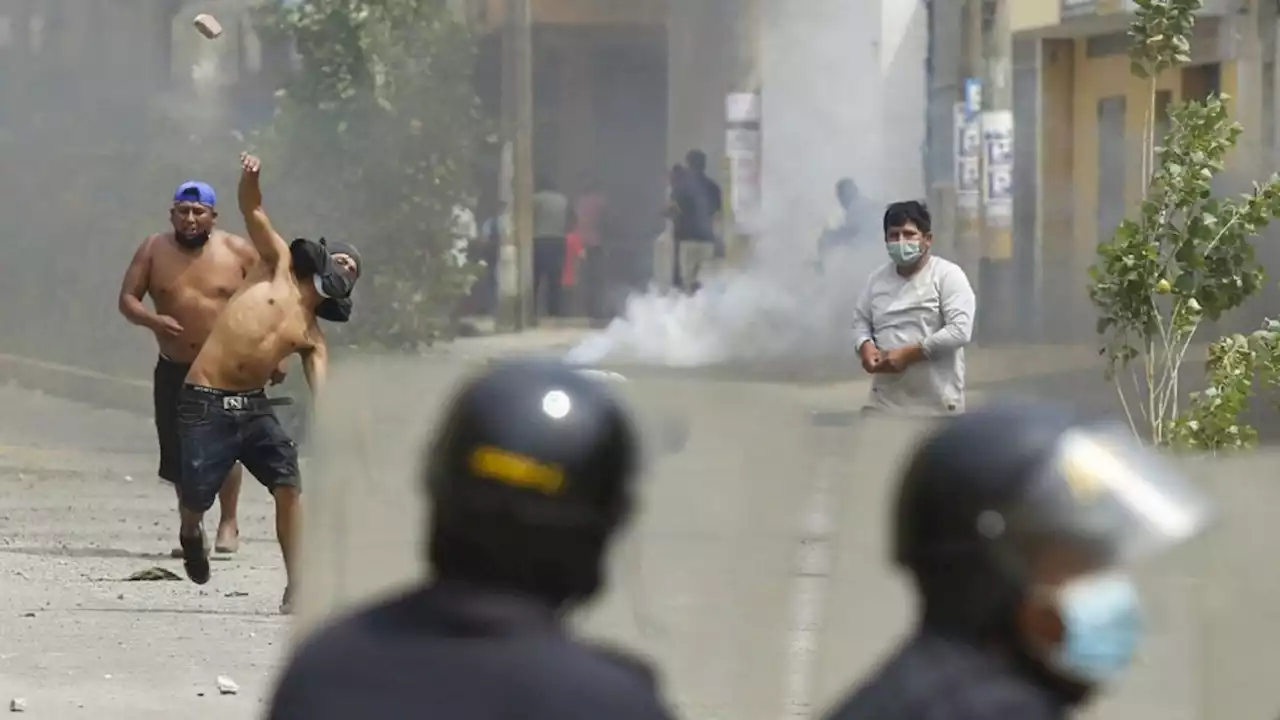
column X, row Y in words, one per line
column 272, row 248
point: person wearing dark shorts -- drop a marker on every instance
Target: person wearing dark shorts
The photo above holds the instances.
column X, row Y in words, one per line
column 189, row 272
column 224, row 414
column 167, row 382
column 217, row 429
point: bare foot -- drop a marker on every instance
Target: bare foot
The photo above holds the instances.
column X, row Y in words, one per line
column 228, row 540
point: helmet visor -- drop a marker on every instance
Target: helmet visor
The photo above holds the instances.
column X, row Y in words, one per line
column 1104, row 493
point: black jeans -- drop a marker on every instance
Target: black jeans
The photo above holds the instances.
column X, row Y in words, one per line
column 548, row 265
column 218, row 428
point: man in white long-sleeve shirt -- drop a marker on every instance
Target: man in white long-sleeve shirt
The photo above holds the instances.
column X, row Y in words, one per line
column 913, row 320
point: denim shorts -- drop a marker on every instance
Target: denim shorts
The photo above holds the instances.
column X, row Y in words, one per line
column 217, row 428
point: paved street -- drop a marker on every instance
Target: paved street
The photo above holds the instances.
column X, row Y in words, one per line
column 80, row 509
column 755, row 543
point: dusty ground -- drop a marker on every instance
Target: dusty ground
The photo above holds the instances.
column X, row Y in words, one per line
column 80, row 509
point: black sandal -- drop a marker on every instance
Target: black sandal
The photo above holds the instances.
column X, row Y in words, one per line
column 195, row 558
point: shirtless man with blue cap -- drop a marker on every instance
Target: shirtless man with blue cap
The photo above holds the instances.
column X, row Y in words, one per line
column 190, row 272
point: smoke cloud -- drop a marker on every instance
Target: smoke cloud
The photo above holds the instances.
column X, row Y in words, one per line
column 779, row 308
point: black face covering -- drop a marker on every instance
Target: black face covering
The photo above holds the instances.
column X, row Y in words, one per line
column 334, row 310
column 315, row 260
column 191, row 242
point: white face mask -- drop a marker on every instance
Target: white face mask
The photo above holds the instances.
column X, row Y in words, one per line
column 319, row 283
column 904, row 252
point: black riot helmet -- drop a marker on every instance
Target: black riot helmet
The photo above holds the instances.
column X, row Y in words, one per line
column 529, row 476
column 988, row 494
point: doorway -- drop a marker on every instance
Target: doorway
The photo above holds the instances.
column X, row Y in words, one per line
column 630, row 82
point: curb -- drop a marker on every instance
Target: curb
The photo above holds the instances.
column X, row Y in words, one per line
column 77, row 384
column 133, row 395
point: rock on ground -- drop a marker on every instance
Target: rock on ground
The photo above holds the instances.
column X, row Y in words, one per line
column 78, row 641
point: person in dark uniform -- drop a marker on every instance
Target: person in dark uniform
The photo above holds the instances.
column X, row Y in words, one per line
column 530, row 476
column 1018, row 525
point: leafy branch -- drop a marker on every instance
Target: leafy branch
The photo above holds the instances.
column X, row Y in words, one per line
column 1212, row 420
column 375, row 140
column 1186, row 256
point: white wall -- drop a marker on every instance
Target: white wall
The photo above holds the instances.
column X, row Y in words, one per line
column 844, row 94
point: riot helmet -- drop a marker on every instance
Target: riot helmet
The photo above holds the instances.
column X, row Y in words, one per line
column 529, row 476
column 1001, row 503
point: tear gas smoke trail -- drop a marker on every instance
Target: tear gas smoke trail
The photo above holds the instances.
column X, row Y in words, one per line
column 777, row 308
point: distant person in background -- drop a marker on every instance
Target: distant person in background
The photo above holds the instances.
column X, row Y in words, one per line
column 570, row 274
column 913, row 320
column 843, row 225
column 550, row 225
column 698, row 205
column 666, row 271
column 463, row 252
column 190, row 272
column 589, row 212
column 488, row 246
column 465, row 231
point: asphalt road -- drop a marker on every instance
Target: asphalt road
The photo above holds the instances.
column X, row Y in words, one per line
column 81, row 509
column 716, row 568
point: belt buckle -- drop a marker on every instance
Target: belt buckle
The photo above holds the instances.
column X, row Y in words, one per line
column 234, row 402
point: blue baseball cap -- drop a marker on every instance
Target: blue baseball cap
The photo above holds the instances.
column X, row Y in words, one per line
column 195, row 191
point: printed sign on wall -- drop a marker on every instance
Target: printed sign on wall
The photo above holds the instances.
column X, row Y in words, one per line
column 997, row 142
column 968, row 160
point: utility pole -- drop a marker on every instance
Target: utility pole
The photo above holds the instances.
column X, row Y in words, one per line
column 970, row 208
column 742, row 164
column 516, row 301
column 998, row 267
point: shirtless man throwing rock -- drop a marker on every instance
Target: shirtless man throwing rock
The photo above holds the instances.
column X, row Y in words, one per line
column 224, row 415
column 190, row 274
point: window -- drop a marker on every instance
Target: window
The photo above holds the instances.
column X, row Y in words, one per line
column 1111, row 165
column 1201, row 81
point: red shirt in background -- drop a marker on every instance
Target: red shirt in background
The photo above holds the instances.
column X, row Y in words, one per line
column 573, row 251
column 589, row 209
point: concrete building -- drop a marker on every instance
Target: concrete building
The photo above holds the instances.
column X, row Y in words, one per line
column 600, row 92
column 622, row 89
column 625, row 88
column 1074, row 89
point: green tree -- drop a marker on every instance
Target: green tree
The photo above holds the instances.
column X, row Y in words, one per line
column 1212, row 419
column 374, row 142
column 1185, row 257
